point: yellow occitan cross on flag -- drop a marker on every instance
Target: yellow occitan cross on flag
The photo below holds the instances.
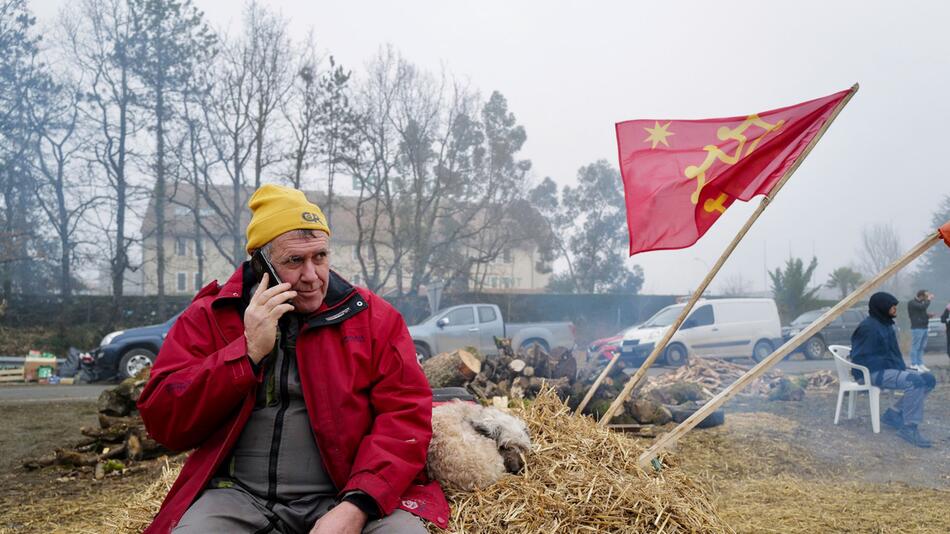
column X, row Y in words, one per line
column 658, row 134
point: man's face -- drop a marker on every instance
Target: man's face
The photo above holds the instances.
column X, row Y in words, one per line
column 893, row 311
column 304, row 262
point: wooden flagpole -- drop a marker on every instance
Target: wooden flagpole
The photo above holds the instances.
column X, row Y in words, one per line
column 667, row 439
column 661, row 345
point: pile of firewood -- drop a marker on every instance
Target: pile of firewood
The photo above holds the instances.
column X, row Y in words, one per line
column 715, row 375
column 513, row 374
column 116, row 444
column 820, row 380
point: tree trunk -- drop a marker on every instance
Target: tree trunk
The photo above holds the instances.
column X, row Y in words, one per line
column 120, row 260
column 160, row 197
column 451, row 369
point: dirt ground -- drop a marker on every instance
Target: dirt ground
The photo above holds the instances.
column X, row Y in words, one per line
column 785, row 467
column 50, row 500
column 773, row 467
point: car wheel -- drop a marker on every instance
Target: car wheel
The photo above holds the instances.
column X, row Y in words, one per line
column 422, row 351
column 134, row 361
column 676, row 355
column 761, row 350
column 814, row 348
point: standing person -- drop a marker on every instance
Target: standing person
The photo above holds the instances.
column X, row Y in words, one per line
column 874, row 345
column 300, row 394
column 945, row 319
column 917, row 310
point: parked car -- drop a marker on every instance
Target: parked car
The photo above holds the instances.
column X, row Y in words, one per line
column 838, row 332
column 607, row 347
column 936, row 336
column 124, row 353
column 716, row 328
column 477, row 325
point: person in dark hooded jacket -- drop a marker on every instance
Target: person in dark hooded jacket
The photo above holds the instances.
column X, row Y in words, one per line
column 874, row 345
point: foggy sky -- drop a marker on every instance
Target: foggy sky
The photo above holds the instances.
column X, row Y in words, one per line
column 570, row 70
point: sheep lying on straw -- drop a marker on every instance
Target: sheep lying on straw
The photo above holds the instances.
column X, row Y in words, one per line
column 473, row 446
column 579, row 478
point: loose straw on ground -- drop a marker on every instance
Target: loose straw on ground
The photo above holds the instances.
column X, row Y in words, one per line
column 579, row 477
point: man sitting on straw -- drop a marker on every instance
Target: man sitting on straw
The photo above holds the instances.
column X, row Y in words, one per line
column 874, row 345
column 301, row 396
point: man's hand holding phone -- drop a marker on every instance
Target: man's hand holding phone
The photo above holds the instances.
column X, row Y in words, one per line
column 267, row 306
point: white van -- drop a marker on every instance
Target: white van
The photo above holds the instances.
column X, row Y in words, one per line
column 716, row 328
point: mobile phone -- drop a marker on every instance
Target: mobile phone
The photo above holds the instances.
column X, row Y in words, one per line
column 260, row 265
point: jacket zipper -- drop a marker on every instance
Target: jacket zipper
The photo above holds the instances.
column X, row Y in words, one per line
column 278, row 428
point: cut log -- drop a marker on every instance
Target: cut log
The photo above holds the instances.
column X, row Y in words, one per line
column 566, row 366
column 108, row 421
column 528, row 371
column 115, row 402
column 503, row 344
column 451, row 369
column 647, row 411
column 517, row 365
column 115, row 434
column 119, row 451
column 64, row 457
column 152, row 448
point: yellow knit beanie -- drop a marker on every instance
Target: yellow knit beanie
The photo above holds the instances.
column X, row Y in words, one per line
column 276, row 209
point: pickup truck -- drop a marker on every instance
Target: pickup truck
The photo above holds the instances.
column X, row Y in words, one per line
column 477, row 325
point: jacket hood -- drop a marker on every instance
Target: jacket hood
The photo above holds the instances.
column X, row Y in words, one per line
column 880, row 306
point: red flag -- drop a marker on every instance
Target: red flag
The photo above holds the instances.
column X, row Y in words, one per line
column 680, row 176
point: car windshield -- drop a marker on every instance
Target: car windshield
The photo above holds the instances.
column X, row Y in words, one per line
column 664, row 317
column 808, row 317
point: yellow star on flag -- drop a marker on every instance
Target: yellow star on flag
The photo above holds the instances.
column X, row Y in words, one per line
column 658, row 134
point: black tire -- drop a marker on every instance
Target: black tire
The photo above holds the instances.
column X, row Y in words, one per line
column 422, row 351
column 761, row 350
column 676, row 355
column 814, row 348
column 526, row 344
column 683, row 411
column 134, row 361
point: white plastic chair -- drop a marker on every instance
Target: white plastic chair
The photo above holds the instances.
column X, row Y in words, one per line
column 847, row 384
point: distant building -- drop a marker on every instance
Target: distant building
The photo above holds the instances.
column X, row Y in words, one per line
column 517, row 269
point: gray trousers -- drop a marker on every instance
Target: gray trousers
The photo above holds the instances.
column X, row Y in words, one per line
column 911, row 404
column 233, row 511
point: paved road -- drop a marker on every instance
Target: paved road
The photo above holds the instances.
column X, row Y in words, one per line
column 90, row 392
column 47, row 393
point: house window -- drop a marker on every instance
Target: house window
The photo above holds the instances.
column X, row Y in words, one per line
column 181, row 246
column 506, row 255
column 182, row 282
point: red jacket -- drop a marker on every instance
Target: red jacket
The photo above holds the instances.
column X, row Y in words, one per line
column 368, row 400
